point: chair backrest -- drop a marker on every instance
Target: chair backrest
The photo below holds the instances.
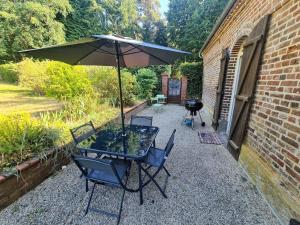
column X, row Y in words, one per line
column 86, row 164
column 170, row 143
column 82, row 132
column 141, row 120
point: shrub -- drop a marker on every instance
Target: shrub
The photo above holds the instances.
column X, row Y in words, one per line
column 67, row 82
column 129, row 87
column 21, row 137
column 158, row 71
column 105, row 81
column 147, row 81
column 33, row 74
column 194, row 74
column 8, row 73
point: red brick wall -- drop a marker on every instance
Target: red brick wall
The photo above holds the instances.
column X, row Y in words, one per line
column 164, row 83
column 274, row 125
column 183, row 91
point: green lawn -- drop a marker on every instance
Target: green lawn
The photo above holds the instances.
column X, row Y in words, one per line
column 14, row 98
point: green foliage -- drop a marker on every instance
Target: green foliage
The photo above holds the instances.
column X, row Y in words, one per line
column 33, row 74
column 191, row 21
column 30, row 24
column 158, row 70
column 67, row 82
column 85, row 19
column 147, row 81
column 149, row 16
column 54, row 79
column 133, row 18
column 105, row 81
column 193, row 72
column 22, row 136
column 161, row 34
column 8, row 73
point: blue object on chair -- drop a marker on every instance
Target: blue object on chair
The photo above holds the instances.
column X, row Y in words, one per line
column 104, row 172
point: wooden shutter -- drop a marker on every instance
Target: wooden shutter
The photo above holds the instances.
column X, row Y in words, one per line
column 248, row 75
column 220, row 88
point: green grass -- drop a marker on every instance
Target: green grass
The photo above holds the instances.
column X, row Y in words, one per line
column 14, row 98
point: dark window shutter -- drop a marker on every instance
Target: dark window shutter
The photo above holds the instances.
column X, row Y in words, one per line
column 248, row 75
column 220, row 88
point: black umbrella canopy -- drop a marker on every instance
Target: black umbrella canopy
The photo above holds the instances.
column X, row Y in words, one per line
column 109, row 50
column 102, row 50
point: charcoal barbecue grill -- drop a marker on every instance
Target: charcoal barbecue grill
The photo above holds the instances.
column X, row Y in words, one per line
column 193, row 106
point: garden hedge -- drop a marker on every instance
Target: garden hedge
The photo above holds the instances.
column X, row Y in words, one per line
column 194, row 73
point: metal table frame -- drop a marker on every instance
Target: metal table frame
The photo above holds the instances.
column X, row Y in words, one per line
column 137, row 159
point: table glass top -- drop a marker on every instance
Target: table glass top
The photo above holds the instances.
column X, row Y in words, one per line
column 109, row 140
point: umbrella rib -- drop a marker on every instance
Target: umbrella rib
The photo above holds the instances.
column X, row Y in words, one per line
column 107, row 52
column 95, row 49
column 128, row 50
column 165, row 62
column 132, row 53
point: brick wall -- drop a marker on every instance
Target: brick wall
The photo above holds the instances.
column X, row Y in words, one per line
column 183, row 90
column 274, row 126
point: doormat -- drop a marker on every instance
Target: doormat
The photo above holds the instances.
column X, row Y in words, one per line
column 212, row 138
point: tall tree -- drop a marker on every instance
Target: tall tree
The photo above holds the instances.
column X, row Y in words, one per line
column 149, row 16
column 86, row 19
column 161, row 33
column 30, row 24
column 191, row 21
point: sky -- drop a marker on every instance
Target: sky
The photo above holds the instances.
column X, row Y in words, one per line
column 164, row 6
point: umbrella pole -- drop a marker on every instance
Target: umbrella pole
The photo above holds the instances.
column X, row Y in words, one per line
column 120, row 86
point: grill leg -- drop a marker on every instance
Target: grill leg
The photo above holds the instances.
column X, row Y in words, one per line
column 202, row 123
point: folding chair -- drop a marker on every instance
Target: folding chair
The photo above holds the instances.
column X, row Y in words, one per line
column 141, row 120
column 112, row 173
column 82, row 132
column 156, row 158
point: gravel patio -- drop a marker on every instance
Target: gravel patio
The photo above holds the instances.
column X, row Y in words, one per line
column 207, row 187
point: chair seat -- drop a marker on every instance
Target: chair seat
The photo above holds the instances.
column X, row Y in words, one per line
column 155, row 156
column 107, row 175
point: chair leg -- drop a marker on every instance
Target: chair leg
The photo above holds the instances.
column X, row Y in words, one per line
column 86, row 185
column 91, row 196
column 140, row 183
column 154, row 181
column 165, row 169
column 121, row 206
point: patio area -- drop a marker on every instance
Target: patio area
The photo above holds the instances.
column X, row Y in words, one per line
column 207, row 186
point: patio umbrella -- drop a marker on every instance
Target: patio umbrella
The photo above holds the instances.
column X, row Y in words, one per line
column 109, row 50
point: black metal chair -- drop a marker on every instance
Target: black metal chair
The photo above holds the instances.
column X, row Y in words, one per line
column 156, row 158
column 112, row 173
column 141, row 120
column 82, row 132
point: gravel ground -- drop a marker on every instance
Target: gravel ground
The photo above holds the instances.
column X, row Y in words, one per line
column 207, row 187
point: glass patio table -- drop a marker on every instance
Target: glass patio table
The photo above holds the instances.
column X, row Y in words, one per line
column 133, row 146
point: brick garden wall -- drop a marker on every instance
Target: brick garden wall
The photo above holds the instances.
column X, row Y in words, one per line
column 274, row 127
